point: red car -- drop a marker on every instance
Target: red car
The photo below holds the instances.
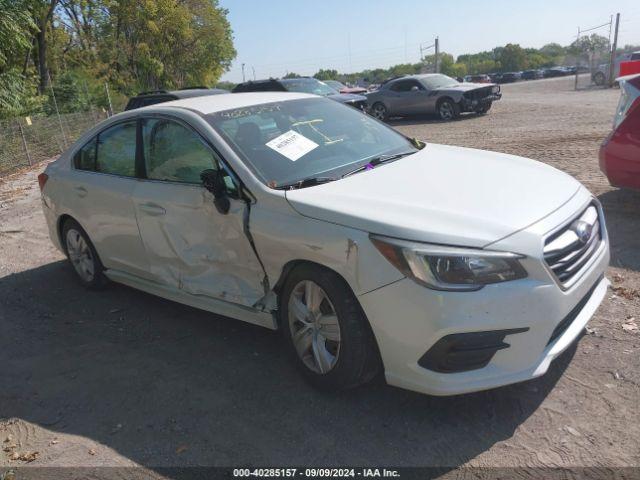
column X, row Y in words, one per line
column 342, row 88
column 620, row 151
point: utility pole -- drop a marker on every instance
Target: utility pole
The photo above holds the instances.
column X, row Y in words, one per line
column 437, row 45
column 575, row 81
column 243, row 79
column 612, row 56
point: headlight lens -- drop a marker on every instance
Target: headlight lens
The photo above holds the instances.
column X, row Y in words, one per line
column 449, row 268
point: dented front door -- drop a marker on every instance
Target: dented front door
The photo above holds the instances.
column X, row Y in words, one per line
column 193, row 247
column 190, row 245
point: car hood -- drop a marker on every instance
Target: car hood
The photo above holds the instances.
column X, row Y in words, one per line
column 466, row 86
column 353, row 90
column 347, row 97
column 441, row 194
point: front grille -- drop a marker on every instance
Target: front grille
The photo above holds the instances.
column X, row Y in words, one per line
column 567, row 251
column 478, row 93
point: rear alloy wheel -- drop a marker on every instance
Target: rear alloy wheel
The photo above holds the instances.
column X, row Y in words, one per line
column 326, row 331
column 379, row 111
column 448, row 110
column 82, row 255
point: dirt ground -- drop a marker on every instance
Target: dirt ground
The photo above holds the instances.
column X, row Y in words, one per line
column 122, row 378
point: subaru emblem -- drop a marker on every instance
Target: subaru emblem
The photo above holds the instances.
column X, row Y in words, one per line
column 583, row 230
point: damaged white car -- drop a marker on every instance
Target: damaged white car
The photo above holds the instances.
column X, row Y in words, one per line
column 450, row 270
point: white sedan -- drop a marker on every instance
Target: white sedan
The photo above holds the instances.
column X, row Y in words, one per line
column 451, row 270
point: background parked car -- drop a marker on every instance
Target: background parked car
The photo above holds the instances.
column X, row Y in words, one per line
column 495, row 77
column 554, row 72
column 342, row 88
column 600, row 76
column 153, row 97
column 431, row 93
column 620, row 151
column 509, row 77
column 531, row 75
column 481, row 78
column 303, row 85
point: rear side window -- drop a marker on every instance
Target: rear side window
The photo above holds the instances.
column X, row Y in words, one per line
column 116, row 153
column 174, row 152
column 85, row 158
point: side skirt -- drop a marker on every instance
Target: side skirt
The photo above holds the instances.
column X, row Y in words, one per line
column 210, row 304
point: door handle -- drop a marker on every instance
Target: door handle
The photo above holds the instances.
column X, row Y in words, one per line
column 152, row 209
column 81, row 191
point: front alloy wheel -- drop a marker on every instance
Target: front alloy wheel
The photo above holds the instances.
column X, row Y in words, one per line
column 314, row 327
column 325, row 329
column 379, row 111
column 448, row 110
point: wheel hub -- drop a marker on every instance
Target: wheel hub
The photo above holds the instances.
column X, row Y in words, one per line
column 80, row 255
column 314, row 326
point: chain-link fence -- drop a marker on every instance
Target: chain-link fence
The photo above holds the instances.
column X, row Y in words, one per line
column 28, row 140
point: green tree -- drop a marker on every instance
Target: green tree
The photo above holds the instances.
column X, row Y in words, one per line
column 16, row 26
column 589, row 45
column 165, row 43
column 323, row 74
column 512, row 58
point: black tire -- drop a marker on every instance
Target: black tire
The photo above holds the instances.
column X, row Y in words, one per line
column 483, row 108
column 379, row 111
column 358, row 360
column 448, row 109
column 97, row 280
column 599, row 78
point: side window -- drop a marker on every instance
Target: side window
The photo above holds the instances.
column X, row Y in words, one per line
column 85, row 158
column 117, row 150
column 173, row 152
column 405, row 86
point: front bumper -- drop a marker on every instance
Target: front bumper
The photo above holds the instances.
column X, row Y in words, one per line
column 472, row 104
column 408, row 319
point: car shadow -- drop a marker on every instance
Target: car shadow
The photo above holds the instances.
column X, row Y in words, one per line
column 167, row 385
column 427, row 119
column 622, row 214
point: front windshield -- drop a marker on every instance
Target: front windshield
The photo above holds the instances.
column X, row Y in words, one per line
column 308, row 85
column 335, row 84
column 286, row 142
column 438, row 81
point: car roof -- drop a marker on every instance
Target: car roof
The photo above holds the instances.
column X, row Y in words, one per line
column 185, row 93
column 227, row 101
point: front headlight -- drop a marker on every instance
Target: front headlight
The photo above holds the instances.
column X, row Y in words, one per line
column 449, row 268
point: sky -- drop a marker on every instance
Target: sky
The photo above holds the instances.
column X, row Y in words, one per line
column 273, row 37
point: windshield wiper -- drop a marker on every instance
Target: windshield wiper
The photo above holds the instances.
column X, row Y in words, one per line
column 305, row 182
column 374, row 162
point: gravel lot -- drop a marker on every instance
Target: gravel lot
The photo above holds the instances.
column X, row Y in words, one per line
column 122, row 378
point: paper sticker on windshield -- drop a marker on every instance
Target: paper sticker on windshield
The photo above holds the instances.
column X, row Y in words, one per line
column 292, row 145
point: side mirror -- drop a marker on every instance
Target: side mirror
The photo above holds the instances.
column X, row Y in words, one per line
column 415, row 88
column 213, row 180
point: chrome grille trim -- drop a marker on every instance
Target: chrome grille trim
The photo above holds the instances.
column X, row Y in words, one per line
column 567, row 252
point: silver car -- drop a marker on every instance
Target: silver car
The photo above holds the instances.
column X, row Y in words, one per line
column 431, row 93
